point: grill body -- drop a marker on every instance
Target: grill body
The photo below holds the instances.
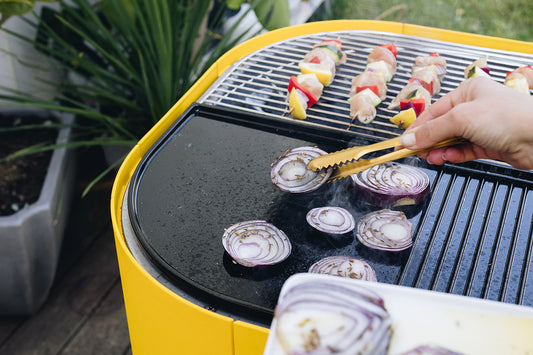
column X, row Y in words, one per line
column 472, row 238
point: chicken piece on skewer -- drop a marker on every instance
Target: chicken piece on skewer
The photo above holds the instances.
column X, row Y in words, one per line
column 432, row 59
column 479, row 67
column 520, row 79
column 369, row 79
column 383, row 59
column 428, row 77
column 323, row 60
column 363, row 106
column 331, row 48
column 369, row 88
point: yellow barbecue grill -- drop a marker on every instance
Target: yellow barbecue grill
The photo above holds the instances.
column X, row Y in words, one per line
column 206, row 165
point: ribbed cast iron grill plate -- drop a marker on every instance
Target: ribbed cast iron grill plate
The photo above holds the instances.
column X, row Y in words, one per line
column 211, row 169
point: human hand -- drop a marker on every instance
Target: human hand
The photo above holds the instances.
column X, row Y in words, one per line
column 496, row 120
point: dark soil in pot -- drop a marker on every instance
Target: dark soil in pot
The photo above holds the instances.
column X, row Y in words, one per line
column 21, row 178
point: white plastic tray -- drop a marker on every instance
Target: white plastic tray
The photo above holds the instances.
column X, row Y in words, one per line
column 463, row 324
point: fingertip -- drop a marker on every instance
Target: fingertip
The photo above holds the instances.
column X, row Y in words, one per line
column 408, row 139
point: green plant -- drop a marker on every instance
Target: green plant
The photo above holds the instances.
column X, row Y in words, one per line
column 501, row 18
column 127, row 61
column 10, row 8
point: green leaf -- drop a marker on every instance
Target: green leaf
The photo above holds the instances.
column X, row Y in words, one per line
column 234, row 4
column 16, row 7
column 273, row 14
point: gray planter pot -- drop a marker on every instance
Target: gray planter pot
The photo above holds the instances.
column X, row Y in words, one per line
column 30, row 239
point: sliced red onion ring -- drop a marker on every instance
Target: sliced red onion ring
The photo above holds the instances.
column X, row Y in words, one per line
column 290, row 174
column 256, row 243
column 430, row 350
column 385, row 230
column 320, row 316
column 344, row 266
column 332, row 220
column 392, row 184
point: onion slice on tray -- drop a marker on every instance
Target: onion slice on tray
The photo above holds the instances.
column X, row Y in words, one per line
column 256, row 243
column 392, row 184
column 385, row 230
column 321, row 316
column 430, row 350
column 331, row 220
column 344, row 266
column 290, row 174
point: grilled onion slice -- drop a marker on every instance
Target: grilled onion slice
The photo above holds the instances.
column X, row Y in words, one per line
column 320, row 316
column 331, row 220
column 344, row 266
column 392, row 184
column 256, row 243
column 385, row 230
column 290, row 174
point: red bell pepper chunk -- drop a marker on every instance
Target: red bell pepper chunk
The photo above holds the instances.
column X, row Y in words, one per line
column 434, row 54
column 419, row 105
column 315, row 60
column 374, row 88
column 293, row 83
column 406, row 105
column 425, row 85
column 391, row 47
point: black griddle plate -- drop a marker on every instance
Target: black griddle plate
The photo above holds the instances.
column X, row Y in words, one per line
column 212, row 169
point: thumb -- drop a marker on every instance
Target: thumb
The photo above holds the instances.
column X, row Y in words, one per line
column 432, row 131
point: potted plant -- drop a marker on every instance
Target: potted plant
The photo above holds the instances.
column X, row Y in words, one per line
column 35, row 193
column 127, row 62
column 33, row 223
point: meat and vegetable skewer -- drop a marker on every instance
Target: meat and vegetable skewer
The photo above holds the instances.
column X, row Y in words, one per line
column 318, row 70
column 520, row 79
column 369, row 88
column 425, row 82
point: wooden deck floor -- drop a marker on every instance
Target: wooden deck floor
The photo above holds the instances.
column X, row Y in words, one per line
column 84, row 313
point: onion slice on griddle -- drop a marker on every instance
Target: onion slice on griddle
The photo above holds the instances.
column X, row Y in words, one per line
column 290, row 174
column 331, row 220
column 344, row 266
column 256, row 243
column 320, row 316
column 385, row 230
column 392, row 184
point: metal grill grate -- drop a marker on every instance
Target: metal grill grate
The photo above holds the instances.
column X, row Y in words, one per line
column 258, row 82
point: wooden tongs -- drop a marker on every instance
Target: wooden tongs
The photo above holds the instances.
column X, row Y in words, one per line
column 347, row 161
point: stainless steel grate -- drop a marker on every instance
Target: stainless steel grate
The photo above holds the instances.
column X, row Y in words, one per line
column 258, row 82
